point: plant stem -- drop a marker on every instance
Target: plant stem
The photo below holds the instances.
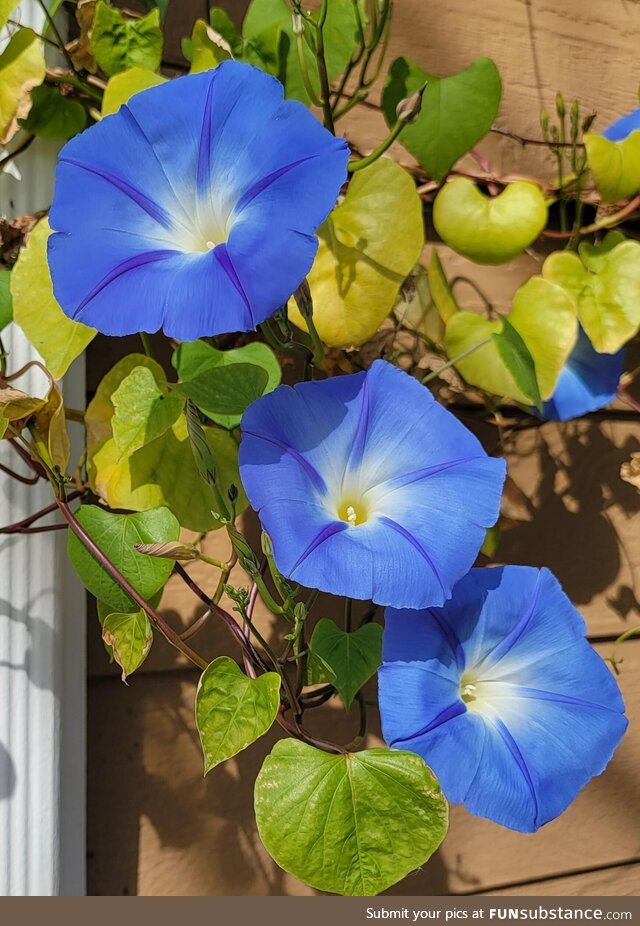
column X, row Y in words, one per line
column 380, row 150
column 155, row 618
column 451, row 363
column 325, row 90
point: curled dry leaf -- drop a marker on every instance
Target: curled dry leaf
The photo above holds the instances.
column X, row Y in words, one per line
column 630, row 471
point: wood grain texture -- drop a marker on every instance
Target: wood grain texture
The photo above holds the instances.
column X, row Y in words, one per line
column 621, row 881
column 157, row 827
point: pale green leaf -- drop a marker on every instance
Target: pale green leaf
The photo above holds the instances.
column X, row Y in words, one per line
column 116, row 536
column 605, row 288
column 489, row 229
column 22, row 68
column 350, row 824
column 121, row 87
column 368, row 246
column 208, row 48
column 128, row 638
column 120, row 43
column 58, row 339
column 615, row 165
column 457, row 111
column 352, row 657
column 195, row 357
column 232, row 710
column 143, row 411
column 6, row 9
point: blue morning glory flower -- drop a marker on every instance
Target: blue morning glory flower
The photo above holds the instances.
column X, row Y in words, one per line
column 588, row 381
column 368, row 487
column 623, row 127
column 193, row 208
column 502, row 695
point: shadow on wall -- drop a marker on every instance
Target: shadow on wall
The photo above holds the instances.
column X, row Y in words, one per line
column 7, row 774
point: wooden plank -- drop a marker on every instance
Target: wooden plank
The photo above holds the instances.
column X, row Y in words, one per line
column 620, row 881
column 157, row 827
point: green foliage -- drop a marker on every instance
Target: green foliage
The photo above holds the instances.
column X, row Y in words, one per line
column 6, row 9
column 543, row 315
column 368, row 245
column 232, row 710
column 128, row 638
column 604, row 284
column 440, row 290
column 121, row 87
column 268, row 29
column 162, row 472
column 22, row 68
column 516, row 357
column 143, row 411
column 615, row 165
column 416, row 309
column 351, row 657
column 56, row 338
column 457, row 111
column 489, row 229
column 120, row 43
column 349, row 824
column 161, row 5
column 6, row 305
column 53, row 115
column 194, row 358
column 225, row 389
column 206, row 48
column 116, row 536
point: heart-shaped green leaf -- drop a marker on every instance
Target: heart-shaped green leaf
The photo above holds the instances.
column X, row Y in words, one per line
column 225, row 390
column 368, row 245
column 543, row 315
column 116, row 536
column 233, row 711
column 57, row 339
column 143, row 411
column 605, row 286
column 615, row 165
column 352, row 657
column 121, row 87
column 195, row 357
column 53, row 115
column 128, row 638
column 489, row 229
column 350, row 824
column 457, row 111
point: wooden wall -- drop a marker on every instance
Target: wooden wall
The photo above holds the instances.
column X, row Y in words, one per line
column 155, row 825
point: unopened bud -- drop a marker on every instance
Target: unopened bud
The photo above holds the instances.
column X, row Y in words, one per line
column 588, row 122
column 544, row 122
column 408, row 109
column 303, row 299
column 245, row 554
column 267, row 546
column 300, row 612
column 297, row 25
column 181, row 552
column 561, row 109
column 232, row 493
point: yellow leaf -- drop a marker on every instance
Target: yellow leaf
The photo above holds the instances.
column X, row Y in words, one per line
column 21, row 68
column 121, row 87
column 51, row 423
column 58, row 339
column 368, row 246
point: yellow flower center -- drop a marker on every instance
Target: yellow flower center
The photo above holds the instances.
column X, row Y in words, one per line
column 353, row 511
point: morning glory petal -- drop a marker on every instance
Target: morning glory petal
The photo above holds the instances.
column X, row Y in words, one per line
column 216, row 171
column 623, row 126
column 537, row 713
column 408, row 489
column 587, row 382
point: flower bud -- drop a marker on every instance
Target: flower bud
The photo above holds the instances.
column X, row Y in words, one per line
column 267, row 546
column 297, row 25
column 303, row 299
column 561, row 109
column 408, row 109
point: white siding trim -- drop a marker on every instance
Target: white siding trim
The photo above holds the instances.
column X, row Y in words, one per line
column 42, row 639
